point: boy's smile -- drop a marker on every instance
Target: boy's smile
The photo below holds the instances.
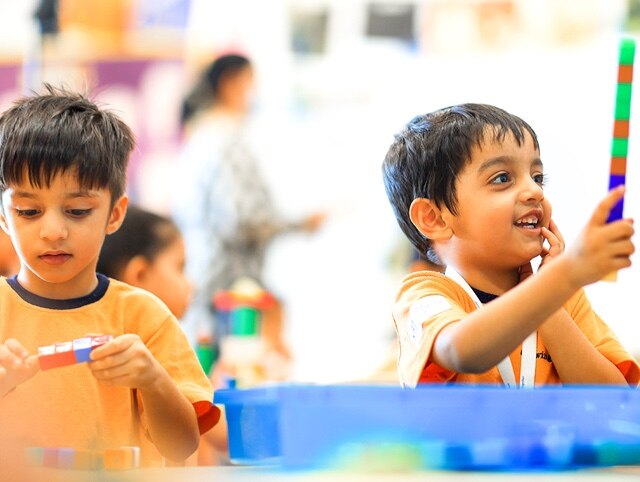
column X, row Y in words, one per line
column 501, row 209
column 58, row 231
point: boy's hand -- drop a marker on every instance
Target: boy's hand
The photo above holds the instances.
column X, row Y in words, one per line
column 125, row 360
column 602, row 247
column 16, row 365
column 556, row 243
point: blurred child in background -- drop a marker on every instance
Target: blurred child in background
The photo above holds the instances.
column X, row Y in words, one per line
column 148, row 252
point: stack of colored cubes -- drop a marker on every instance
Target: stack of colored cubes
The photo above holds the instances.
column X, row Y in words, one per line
column 70, row 352
column 620, row 144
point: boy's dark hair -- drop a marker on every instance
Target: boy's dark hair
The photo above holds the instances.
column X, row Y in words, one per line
column 427, row 156
column 142, row 233
column 51, row 133
column 206, row 90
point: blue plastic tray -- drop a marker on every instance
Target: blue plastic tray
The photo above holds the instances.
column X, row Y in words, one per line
column 445, row 427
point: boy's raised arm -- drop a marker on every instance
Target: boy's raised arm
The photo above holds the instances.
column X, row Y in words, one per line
column 489, row 335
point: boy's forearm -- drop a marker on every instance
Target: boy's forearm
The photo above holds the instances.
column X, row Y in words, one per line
column 486, row 336
column 172, row 420
column 576, row 360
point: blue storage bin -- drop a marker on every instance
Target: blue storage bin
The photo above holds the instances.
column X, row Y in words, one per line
column 449, row 427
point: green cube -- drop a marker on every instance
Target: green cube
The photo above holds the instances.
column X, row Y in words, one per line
column 627, row 51
column 623, row 110
column 619, row 147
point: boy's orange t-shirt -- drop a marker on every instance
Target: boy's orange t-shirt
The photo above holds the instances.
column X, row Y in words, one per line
column 67, row 407
column 428, row 301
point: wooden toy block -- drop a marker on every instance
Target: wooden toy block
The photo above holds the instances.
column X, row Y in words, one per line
column 122, row 458
column 618, row 166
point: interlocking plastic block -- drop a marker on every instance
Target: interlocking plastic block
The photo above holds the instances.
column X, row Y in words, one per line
column 627, row 51
column 122, row 458
column 99, row 340
column 87, row 460
column 618, row 166
column 58, row 355
column 623, row 92
column 50, row 458
column 623, row 110
column 34, row 456
column 621, row 129
column 625, row 73
column 66, row 458
column 63, row 458
column 70, row 352
column 616, row 211
column 619, row 147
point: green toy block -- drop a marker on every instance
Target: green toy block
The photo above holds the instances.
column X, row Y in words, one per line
column 619, row 147
column 623, row 92
column 623, row 111
column 627, row 51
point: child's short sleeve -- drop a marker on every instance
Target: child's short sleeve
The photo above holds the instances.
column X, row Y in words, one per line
column 170, row 347
column 426, row 303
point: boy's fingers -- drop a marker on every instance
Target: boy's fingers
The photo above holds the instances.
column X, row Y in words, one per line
column 32, row 364
column 16, row 348
column 553, row 227
column 9, row 359
column 116, row 345
column 602, row 211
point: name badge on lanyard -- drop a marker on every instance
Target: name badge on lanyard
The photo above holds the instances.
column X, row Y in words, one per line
column 528, row 360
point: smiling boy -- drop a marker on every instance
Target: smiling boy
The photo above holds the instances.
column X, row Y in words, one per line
column 466, row 186
column 63, row 163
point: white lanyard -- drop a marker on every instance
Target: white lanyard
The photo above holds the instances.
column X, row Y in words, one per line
column 528, row 359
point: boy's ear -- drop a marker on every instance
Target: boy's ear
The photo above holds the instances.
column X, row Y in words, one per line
column 429, row 220
column 135, row 270
column 117, row 215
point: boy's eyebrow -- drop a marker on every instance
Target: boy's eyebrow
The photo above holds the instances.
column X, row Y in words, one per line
column 72, row 195
column 489, row 163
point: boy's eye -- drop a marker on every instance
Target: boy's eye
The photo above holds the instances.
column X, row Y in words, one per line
column 501, row 178
column 79, row 213
column 27, row 213
column 540, row 179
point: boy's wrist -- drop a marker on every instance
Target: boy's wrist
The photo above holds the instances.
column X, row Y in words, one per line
column 562, row 276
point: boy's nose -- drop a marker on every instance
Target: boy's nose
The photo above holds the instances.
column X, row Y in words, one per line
column 532, row 191
column 53, row 228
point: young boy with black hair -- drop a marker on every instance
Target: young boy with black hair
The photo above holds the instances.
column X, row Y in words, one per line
column 466, row 186
column 63, row 164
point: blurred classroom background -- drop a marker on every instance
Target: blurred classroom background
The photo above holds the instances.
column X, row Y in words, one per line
column 336, row 79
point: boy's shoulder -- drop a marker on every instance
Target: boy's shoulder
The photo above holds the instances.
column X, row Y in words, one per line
column 426, row 282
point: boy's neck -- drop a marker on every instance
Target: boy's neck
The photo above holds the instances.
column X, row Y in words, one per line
column 493, row 282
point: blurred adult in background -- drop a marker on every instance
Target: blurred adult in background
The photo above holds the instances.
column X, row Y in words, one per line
column 223, row 205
